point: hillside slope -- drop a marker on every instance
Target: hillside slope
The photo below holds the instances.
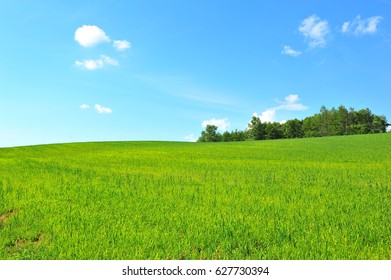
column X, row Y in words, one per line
column 312, row 198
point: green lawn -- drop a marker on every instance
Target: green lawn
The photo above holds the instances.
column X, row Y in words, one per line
column 313, row 198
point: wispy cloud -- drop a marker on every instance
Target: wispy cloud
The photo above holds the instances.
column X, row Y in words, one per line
column 95, row 64
column 290, row 103
column 90, row 35
column 222, row 124
column 360, row 26
column 314, row 30
column 184, row 87
column 287, row 50
column 89, row 64
column 102, row 110
column 204, row 96
column 99, row 108
column 109, row 61
column 121, row 45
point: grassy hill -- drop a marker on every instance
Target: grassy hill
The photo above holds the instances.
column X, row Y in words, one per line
column 313, row 198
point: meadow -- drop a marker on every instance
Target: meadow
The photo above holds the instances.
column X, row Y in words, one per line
column 311, row 198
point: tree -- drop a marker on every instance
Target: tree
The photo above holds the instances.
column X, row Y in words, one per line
column 364, row 119
column 311, row 126
column 379, row 124
column 256, row 129
column 238, row 135
column 327, row 122
column 226, row 137
column 210, row 134
column 324, row 129
column 343, row 120
column 273, row 130
column 293, row 129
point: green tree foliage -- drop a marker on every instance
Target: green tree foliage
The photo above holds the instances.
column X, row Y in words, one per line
column 343, row 122
column 256, row 129
column 274, row 131
column 311, row 126
column 236, row 135
column 379, row 124
column 293, row 129
column 210, row 134
column 328, row 122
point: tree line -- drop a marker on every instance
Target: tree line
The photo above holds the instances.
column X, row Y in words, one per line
column 328, row 122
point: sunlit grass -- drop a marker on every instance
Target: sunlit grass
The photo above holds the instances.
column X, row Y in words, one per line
column 321, row 198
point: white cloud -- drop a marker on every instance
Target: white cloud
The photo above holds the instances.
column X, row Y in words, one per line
column 89, row 64
column 345, row 27
column 121, row 45
column 267, row 116
column 290, row 104
column 99, row 108
column 314, row 30
column 94, row 64
column 292, row 107
column 109, row 60
column 90, row 35
column 287, row 50
column 222, row 124
column 291, row 98
column 190, row 138
column 361, row 26
column 102, row 110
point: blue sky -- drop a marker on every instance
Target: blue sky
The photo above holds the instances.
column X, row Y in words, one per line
column 75, row 71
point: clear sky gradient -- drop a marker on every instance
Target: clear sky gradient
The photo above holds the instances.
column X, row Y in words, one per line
column 75, row 71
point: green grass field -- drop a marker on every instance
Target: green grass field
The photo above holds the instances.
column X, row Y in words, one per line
column 313, row 198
